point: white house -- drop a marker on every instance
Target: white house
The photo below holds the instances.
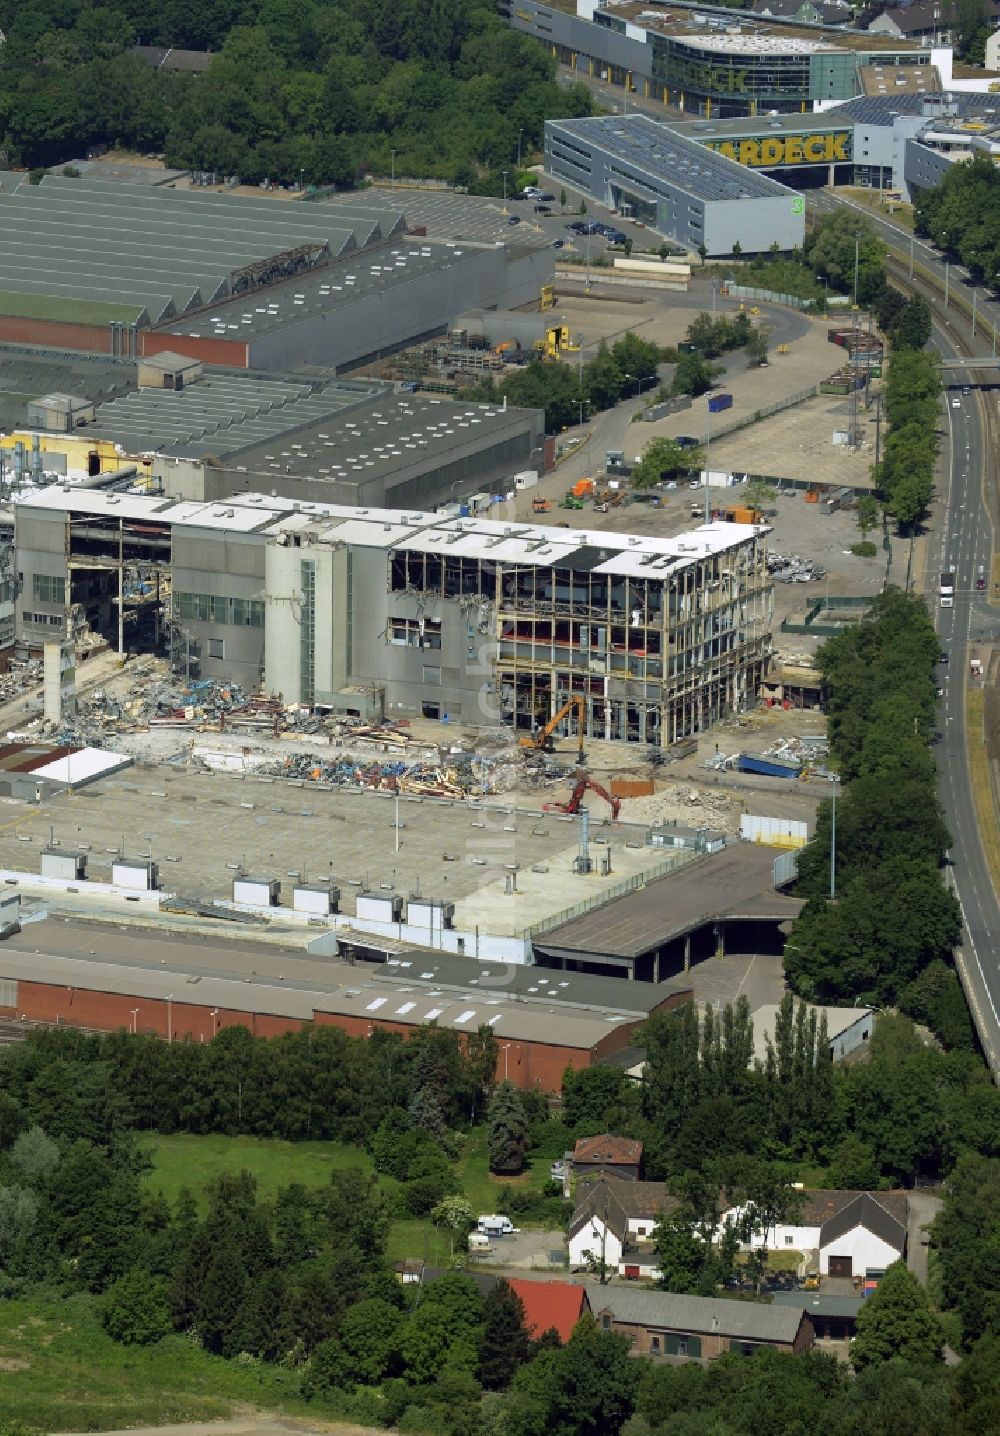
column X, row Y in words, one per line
column 850, row 1233
column 613, row 1222
column 993, row 51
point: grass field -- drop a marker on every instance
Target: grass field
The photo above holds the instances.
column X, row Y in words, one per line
column 59, row 1371
column 181, row 1160
column 979, row 777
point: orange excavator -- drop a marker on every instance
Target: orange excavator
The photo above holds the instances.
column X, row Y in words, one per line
column 541, row 738
column 583, row 783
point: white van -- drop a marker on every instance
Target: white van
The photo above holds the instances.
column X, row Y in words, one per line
column 496, row 1226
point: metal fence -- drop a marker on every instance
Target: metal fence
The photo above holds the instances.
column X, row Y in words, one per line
column 719, row 431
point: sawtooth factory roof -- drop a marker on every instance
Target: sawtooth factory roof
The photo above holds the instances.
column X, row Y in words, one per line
column 92, row 252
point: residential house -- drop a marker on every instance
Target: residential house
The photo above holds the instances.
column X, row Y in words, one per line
column 834, row 1317
column 410, row 1271
column 613, row 1222
column 853, row 1233
column 993, row 51
column 618, row 1156
column 926, row 22
column 697, row 1328
column 826, row 12
column 550, row 1306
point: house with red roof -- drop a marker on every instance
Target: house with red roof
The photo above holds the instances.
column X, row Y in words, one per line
column 550, row 1304
column 619, row 1156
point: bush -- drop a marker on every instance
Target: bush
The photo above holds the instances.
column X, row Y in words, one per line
column 135, row 1310
column 865, row 549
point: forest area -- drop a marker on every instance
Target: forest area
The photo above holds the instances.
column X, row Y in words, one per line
column 298, row 91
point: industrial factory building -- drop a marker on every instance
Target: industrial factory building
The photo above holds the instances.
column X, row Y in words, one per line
column 656, row 175
column 713, row 62
column 190, row 991
column 115, row 269
column 452, row 618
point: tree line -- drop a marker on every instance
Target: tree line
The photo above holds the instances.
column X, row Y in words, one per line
column 962, row 217
column 888, row 935
column 312, row 91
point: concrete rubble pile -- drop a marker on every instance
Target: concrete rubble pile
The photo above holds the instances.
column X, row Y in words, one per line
column 21, row 675
column 793, row 568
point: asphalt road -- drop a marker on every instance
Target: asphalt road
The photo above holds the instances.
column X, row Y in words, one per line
column 963, row 542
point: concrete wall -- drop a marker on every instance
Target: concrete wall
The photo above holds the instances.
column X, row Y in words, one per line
column 448, row 677
column 287, row 620
column 209, row 561
column 379, row 322
column 40, row 544
column 588, row 1241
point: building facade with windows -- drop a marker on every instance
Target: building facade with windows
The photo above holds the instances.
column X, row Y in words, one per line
column 674, row 185
column 459, row 619
column 710, row 61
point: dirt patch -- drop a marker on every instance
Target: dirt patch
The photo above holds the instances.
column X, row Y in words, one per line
column 14, row 1363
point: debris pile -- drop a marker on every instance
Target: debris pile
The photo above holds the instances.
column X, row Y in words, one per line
column 21, row 675
column 793, row 568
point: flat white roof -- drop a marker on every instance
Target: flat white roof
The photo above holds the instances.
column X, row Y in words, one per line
column 638, row 556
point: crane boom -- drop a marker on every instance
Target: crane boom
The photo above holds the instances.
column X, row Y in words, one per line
column 539, row 740
column 583, row 784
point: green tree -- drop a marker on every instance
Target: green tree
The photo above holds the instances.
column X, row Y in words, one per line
column 756, row 348
column 912, row 326
column 220, row 1298
column 505, row 1344
column 664, row 459
column 588, row 1388
column 135, row 1310
column 896, row 1322
column 702, row 254
column 456, row 1216
column 866, row 510
column 692, row 376
column 684, row 1259
column 369, row 1335
column 508, row 1131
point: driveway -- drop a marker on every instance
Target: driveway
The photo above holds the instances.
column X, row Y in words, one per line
column 530, row 1250
column 924, row 1207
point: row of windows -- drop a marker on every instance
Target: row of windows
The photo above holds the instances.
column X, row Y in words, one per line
column 44, row 619
column 48, row 589
column 210, row 608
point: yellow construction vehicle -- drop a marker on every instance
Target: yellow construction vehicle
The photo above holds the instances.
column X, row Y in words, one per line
column 541, row 739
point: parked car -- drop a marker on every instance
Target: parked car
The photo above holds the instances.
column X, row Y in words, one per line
column 514, row 219
column 542, row 209
column 686, row 441
column 545, row 198
column 615, row 236
column 558, row 243
column 577, row 226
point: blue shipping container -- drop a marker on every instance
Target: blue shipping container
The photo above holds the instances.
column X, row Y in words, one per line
column 718, row 402
column 769, row 767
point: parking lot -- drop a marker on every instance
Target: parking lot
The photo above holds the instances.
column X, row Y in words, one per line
column 525, row 1251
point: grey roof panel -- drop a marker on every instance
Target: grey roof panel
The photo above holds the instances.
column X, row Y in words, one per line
column 742, row 1320
column 660, row 150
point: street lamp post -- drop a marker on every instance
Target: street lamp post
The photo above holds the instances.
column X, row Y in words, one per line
column 833, row 842
column 505, row 191
column 215, row 1020
column 519, row 134
column 135, row 1020
column 393, row 161
column 170, row 1017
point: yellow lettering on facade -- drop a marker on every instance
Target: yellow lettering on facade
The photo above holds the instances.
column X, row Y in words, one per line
column 749, row 152
column 771, row 151
column 793, row 150
column 839, row 147
column 816, row 148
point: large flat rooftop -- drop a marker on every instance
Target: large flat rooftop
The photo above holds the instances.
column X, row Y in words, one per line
column 201, row 827
column 594, row 550
column 664, row 151
column 325, row 291
column 734, row 884
column 724, row 31
column 243, row 977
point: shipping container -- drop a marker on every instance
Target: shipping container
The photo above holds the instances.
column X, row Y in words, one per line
column 718, row 402
column 769, row 767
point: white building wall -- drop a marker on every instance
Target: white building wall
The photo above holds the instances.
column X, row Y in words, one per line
column 867, row 1251
column 586, row 1244
column 776, row 1238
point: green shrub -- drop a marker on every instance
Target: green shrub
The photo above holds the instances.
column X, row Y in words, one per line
column 865, row 549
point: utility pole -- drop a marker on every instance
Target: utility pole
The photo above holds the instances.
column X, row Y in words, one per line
column 912, row 240
column 878, row 427
column 857, row 252
column 947, row 276
column 708, row 454
column 973, row 314
column 833, row 844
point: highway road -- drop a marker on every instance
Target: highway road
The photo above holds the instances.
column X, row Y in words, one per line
column 962, row 543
